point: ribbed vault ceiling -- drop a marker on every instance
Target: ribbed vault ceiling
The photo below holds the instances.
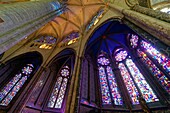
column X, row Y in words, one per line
column 78, row 14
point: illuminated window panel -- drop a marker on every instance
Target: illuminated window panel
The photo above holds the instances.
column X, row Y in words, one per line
column 144, row 87
column 65, row 72
column 61, row 94
column 163, row 80
column 14, row 85
column 54, row 94
column 58, row 94
column 70, row 39
column 113, row 87
column 46, row 40
column 121, row 55
column 106, row 99
column 95, row 19
column 160, row 58
column 132, row 90
column 134, row 41
column 103, row 61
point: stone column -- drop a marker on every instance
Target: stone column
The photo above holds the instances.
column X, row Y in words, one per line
column 153, row 13
column 155, row 27
column 19, row 20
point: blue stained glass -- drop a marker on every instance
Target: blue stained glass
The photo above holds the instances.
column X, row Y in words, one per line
column 144, row 87
column 106, row 99
column 14, row 91
column 14, row 85
column 113, row 87
column 131, row 88
column 164, row 81
column 160, row 58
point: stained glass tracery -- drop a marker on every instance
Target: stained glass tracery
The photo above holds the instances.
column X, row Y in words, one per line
column 138, row 83
column 134, row 41
column 14, row 85
column 108, row 84
column 157, row 56
column 161, row 77
column 58, row 93
column 121, row 55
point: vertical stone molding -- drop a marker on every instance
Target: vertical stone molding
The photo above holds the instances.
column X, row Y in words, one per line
column 153, row 13
column 21, row 19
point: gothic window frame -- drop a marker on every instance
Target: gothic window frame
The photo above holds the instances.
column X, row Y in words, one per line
column 124, row 61
column 118, row 88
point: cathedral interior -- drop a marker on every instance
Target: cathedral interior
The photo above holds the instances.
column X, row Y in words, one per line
column 85, row 56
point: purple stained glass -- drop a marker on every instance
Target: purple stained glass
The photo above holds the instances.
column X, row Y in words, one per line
column 163, row 80
column 121, row 55
column 61, row 94
column 144, row 87
column 13, row 92
column 113, row 87
column 103, row 61
column 9, row 86
column 71, row 36
column 131, row 88
column 53, row 97
column 106, row 99
column 160, row 58
column 134, row 41
column 65, row 72
column 13, row 86
column 46, row 40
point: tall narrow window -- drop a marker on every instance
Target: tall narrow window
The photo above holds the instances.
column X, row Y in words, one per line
column 108, row 84
column 143, row 50
column 133, row 78
column 11, row 89
column 59, row 91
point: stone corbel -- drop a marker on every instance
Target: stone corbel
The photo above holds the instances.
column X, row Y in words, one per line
column 131, row 3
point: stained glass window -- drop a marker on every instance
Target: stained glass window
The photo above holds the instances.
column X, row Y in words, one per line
column 95, row 19
column 134, row 80
column 71, row 38
column 166, row 10
column 58, row 93
column 113, row 87
column 108, row 84
column 133, row 92
column 142, row 84
column 9, row 91
column 134, row 41
column 46, row 39
column 121, row 55
column 157, row 56
column 161, row 77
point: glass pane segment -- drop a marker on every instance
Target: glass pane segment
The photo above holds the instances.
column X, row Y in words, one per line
column 144, row 87
column 163, row 80
column 134, row 41
column 54, row 94
column 132, row 90
column 14, row 91
column 103, row 61
column 104, row 86
column 65, row 72
column 61, row 94
column 9, row 86
column 160, row 58
column 113, row 87
column 121, row 55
